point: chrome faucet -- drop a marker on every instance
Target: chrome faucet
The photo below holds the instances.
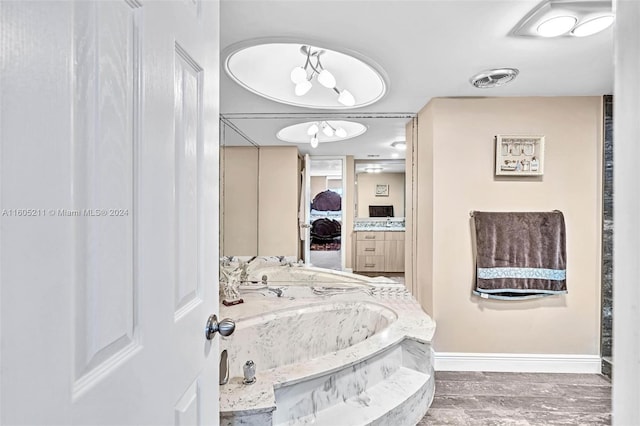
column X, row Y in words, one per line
column 265, row 286
column 276, row 290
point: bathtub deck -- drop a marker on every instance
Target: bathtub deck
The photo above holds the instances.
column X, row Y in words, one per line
column 381, row 380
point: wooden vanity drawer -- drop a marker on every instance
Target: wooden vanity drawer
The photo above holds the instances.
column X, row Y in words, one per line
column 394, row 236
column 370, row 248
column 369, row 236
column 370, row 263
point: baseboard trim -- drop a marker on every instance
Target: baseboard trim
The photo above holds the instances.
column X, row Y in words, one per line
column 517, row 363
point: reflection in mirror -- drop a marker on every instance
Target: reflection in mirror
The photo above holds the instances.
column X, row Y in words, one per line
column 238, row 193
column 380, row 188
column 326, row 195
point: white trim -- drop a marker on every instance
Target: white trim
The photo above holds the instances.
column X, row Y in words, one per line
column 517, row 363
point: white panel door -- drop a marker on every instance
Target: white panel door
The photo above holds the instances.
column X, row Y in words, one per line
column 108, row 197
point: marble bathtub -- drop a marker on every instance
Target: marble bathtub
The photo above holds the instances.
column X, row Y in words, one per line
column 295, row 275
column 317, row 330
column 354, row 358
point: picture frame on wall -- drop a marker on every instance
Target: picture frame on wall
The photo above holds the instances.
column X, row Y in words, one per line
column 519, row 155
column 382, row 190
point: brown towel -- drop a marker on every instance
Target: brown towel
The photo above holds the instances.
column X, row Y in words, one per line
column 520, row 255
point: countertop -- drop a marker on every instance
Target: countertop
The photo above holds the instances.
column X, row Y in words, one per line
column 386, row 225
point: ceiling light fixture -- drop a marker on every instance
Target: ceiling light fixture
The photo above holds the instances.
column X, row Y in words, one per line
column 556, row 26
column 373, row 169
column 328, row 130
column 316, row 132
column 401, row 145
column 566, row 18
column 593, row 26
column 320, row 75
column 302, row 76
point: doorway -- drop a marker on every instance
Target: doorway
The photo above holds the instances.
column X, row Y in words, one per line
column 326, row 188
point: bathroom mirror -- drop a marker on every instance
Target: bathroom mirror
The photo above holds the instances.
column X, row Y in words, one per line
column 238, row 193
column 380, row 188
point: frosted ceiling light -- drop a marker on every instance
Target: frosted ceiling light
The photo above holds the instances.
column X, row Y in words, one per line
column 303, row 87
column 298, row 75
column 341, row 133
column 327, row 129
column 401, row 145
column 304, row 75
column 373, row 169
column 593, row 26
column 565, row 18
column 316, row 132
column 313, row 129
column 346, row 98
column 327, row 79
column 556, row 26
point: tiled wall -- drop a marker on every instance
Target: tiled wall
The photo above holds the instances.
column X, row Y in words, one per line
column 607, row 237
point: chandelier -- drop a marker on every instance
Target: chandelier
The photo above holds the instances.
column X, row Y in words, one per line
column 302, row 76
column 327, row 129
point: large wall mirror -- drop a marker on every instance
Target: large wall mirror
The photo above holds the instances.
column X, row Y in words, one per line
column 238, row 193
column 380, row 188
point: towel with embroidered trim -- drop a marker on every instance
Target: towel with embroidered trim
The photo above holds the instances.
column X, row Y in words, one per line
column 520, row 255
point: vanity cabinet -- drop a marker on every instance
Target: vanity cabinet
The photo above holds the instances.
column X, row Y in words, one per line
column 379, row 251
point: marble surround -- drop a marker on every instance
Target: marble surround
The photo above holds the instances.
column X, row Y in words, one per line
column 607, row 240
column 340, row 357
column 279, row 275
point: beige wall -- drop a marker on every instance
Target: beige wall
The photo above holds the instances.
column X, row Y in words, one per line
column 455, row 154
column 260, row 201
column 317, row 184
column 239, row 206
column 278, row 193
column 366, row 192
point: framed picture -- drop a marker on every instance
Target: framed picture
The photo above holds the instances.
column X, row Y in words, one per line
column 519, row 155
column 382, row 190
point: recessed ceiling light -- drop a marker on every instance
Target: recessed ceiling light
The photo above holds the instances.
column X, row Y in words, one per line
column 593, row 26
column 556, row 26
column 306, row 76
column 373, row 169
column 401, row 145
column 561, row 18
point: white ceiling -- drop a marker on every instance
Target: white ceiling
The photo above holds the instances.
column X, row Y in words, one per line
column 427, row 48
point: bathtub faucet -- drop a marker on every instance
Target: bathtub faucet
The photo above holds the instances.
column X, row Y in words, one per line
column 264, row 286
column 275, row 290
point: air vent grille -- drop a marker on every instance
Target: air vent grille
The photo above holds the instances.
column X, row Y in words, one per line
column 494, row 78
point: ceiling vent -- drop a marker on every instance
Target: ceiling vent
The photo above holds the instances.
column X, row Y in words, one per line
column 494, row 78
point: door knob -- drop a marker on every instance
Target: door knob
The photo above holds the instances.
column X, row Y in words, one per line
column 224, row 327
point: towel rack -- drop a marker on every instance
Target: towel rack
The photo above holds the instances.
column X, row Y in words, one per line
column 472, row 212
